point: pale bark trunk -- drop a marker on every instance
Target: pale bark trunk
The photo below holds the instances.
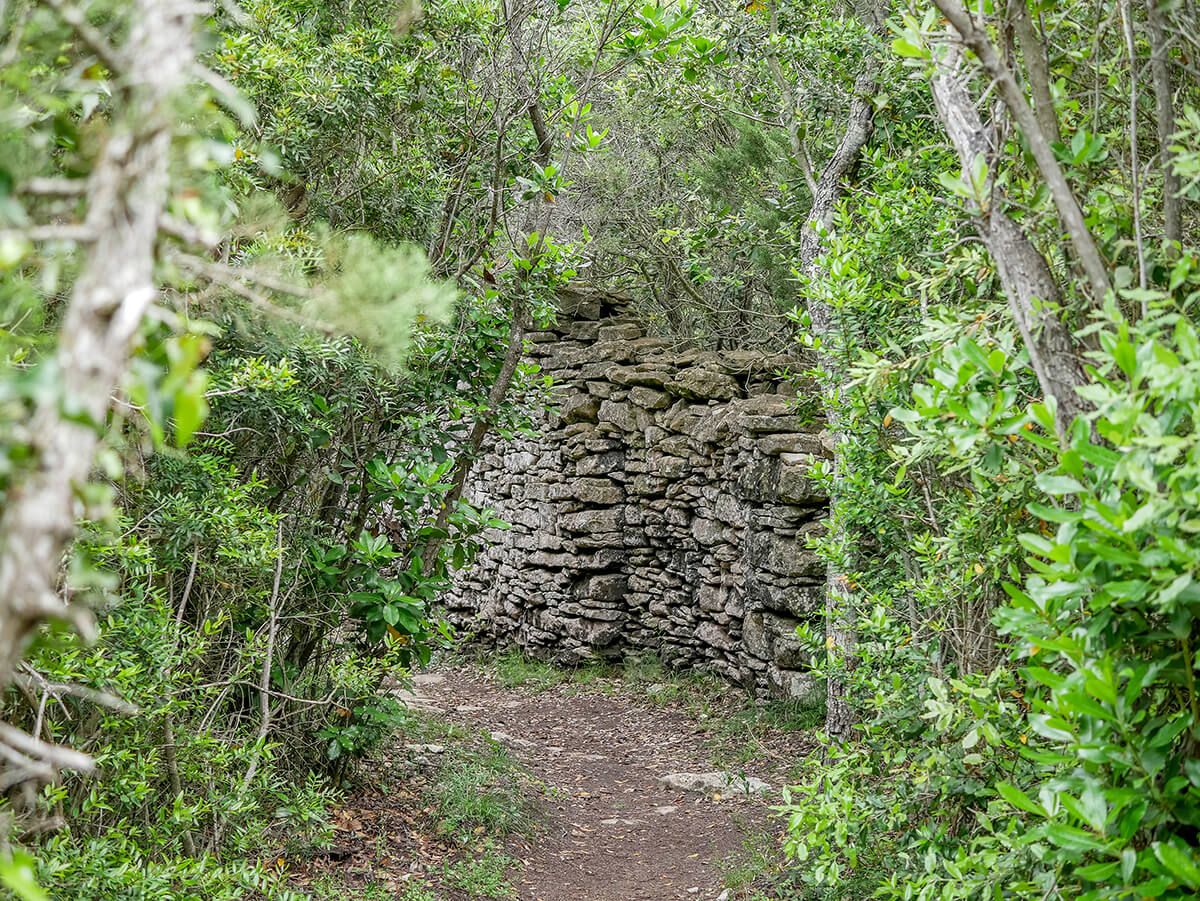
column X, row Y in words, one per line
column 1069, row 212
column 125, row 197
column 1164, row 107
column 1029, row 286
column 829, row 189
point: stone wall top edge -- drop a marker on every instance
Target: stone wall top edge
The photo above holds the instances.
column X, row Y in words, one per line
column 584, row 311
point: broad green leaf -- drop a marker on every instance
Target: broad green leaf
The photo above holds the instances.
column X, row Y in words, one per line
column 1019, row 799
column 902, row 47
column 18, row 874
column 1182, row 865
column 1071, row 838
column 1058, row 485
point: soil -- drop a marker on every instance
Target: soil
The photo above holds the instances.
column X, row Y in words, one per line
column 608, row 830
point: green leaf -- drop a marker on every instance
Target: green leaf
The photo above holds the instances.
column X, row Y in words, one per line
column 1079, row 703
column 1125, row 355
column 1181, row 864
column 1172, row 591
column 1053, row 514
column 902, row 47
column 18, row 874
column 191, row 408
column 1128, row 864
column 407, row 620
column 1058, row 485
column 1140, row 517
column 1192, row 768
column 1019, row 799
column 1098, row 456
column 954, row 184
column 1098, row 872
column 1044, row 416
column 903, row 414
column 1070, row 838
column 1048, row 678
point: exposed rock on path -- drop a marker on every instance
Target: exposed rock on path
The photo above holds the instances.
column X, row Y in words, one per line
column 614, row 830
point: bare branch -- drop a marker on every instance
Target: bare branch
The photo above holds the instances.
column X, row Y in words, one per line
column 55, row 756
column 236, row 281
column 186, row 232
column 32, row 677
column 54, row 187
column 80, row 234
column 109, row 55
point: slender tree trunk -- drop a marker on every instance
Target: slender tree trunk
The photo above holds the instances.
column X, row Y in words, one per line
column 125, row 198
column 1135, row 166
column 469, row 453
column 1029, row 286
column 537, row 219
column 1037, row 69
column 1164, row 107
column 1069, row 212
column 829, row 188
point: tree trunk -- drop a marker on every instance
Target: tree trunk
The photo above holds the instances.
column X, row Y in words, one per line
column 829, row 188
column 1069, row 213
column 1037, row 70
column 1164, row 108
column 125, row 197
column 469, row 453
column 1029, row 286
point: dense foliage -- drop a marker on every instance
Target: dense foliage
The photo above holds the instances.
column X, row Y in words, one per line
column 983, row 220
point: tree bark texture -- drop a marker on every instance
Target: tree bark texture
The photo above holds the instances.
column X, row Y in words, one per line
column 829, row 189
column 1033, row 295
column 1033, row 54
column 1069, row 212
column 126, row 193
column 1164, row 108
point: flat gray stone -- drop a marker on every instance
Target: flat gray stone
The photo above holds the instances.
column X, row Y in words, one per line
column 510, row 741
column 714, row 783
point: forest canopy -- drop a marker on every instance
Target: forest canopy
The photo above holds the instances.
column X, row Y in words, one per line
column 267, row 272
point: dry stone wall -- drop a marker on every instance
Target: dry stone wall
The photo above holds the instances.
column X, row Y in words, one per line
column 664, row 505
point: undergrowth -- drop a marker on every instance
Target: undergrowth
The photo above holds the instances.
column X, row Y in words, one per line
column 484, row 876
column 482, row 792
column 516, row 670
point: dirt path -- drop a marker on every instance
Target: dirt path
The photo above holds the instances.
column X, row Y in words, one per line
column 612, row 831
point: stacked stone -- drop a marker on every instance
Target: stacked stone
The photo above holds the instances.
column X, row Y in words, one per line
column 665, row 505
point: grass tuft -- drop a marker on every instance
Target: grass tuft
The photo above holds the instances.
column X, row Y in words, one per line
column 485, row 876
column 515, row 670
column 482, row 793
